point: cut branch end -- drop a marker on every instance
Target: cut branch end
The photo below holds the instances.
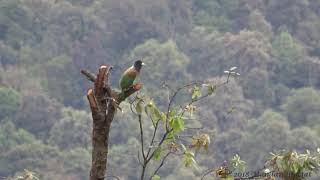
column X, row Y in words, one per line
column 92, row 100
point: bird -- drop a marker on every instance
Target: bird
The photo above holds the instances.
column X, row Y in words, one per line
column 128, row 77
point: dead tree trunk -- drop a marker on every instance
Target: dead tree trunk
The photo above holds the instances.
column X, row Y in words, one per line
column 104, row 101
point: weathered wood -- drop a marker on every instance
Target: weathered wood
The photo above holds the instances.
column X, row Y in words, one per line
column 100, row 81
column 92, row 100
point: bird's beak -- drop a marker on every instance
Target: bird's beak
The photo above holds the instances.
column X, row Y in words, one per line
column 143, row 64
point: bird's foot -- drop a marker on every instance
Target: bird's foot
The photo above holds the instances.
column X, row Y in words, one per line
column 137, row 86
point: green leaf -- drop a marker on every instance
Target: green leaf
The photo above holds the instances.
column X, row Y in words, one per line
column 211, row 89
column 170, row 136
column 196, row 92
column 154, row 113
column 157, row 114
column 237, row 163
column 139, row 107
column 177, row 124
column 279, row 163
column 173, row 112
column 295, row 168
column 155, row 177
column 230, row 178
column 157, row 154
column 189, row 158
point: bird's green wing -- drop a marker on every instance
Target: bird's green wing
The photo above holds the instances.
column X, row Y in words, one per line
column 127, row 79
column 126, row 82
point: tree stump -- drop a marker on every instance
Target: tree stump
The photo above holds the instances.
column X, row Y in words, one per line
column 104, row 102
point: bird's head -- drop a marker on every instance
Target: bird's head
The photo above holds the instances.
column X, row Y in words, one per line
column 138, row 65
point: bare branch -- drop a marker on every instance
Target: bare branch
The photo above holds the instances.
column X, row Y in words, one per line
column 89, row 75
column 153, row 137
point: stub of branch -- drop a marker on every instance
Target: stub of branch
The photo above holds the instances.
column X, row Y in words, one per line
column 89, row 75
column 99, row 83
column 92, row 100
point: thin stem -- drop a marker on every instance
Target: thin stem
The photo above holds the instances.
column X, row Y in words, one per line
column 207, row 173
column 141, row 137
column 202, row 97
column 143, row 172
column 153, row 137
column 160, row 143
column 161, row 164
column 172, row 99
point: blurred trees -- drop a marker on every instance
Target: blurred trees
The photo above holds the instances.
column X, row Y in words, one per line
column 289, row 54
column 172, row 70
column 246, row 50
column 37, row 115
column 302, row 107
column 26, row 155
column 10, row 136
column 270, row 132
column 10, row 102
column 72, row 130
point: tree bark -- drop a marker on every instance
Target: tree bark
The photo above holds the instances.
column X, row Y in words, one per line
column 104, row 102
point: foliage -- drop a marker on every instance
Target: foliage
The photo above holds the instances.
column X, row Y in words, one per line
column 10, row 136
column 25, row 175
column 77, row 161
column 72, row 130
column 26, row 155
column 38, row 114
column 10, row 101
column 285, row 165
column 294, row 165
column 301, row 106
